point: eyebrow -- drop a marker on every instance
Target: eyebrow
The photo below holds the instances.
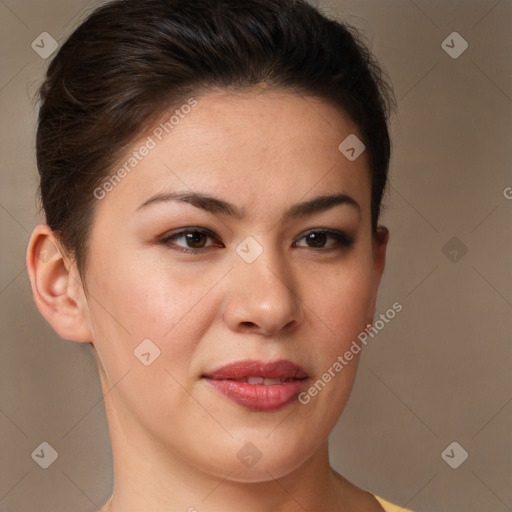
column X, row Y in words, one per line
column 218, row 206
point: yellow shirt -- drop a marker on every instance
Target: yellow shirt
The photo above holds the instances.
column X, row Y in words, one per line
column 389, row 507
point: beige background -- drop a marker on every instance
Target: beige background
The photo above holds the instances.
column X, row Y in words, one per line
column 439, row 372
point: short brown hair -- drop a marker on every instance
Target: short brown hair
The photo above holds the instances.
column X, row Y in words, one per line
column 131, row 60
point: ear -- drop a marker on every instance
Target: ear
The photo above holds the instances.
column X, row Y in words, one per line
column 56, row 286
column 380, row 243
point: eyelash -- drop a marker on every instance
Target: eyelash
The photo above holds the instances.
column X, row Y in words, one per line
column 343, row 241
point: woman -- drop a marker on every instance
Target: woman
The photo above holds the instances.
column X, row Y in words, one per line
column 212, row 174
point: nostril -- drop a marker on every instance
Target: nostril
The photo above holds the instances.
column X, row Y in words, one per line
column 290, row 324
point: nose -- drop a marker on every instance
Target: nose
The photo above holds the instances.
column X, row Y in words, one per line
column 263, row 297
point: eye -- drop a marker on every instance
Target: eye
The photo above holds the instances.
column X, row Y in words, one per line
column 195, row 240
column 317, row 239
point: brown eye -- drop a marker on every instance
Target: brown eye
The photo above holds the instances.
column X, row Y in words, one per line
column 319, row 239
column 316, row 239
column 191, row 240
column 196, row 239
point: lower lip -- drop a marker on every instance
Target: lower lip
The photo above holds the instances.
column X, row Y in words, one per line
column 259, row 397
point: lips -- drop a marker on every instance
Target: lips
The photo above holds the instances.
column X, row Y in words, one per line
column 241, row 370
column 259, row 385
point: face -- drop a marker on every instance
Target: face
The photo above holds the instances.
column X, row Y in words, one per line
column 254, row 273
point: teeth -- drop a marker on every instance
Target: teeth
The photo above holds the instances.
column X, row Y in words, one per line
column 255, row 380
column 264, row 381
column 272, row 382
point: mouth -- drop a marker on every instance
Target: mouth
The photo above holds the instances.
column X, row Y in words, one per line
column 259, row 372
column 265, row 381
column 257, row 385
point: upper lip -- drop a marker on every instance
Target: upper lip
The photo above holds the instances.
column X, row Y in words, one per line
column 281, row 369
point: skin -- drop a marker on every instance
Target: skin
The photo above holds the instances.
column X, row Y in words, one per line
column 174, row 438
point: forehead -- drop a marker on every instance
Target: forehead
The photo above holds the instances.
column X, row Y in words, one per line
column 248, row 146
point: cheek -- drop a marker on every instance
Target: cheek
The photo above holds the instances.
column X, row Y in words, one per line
column 339, row 302
column 133, row 302
column 145, row 297
column 341, row 299
column 130, row 308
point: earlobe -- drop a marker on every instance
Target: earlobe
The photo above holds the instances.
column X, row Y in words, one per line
column 56, row 286
column 380, row 244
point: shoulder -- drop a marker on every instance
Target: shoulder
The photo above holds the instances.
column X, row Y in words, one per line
column 389, row 507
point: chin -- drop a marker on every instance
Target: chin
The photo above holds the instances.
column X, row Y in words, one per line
column 251, row 464
column 261, row 473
